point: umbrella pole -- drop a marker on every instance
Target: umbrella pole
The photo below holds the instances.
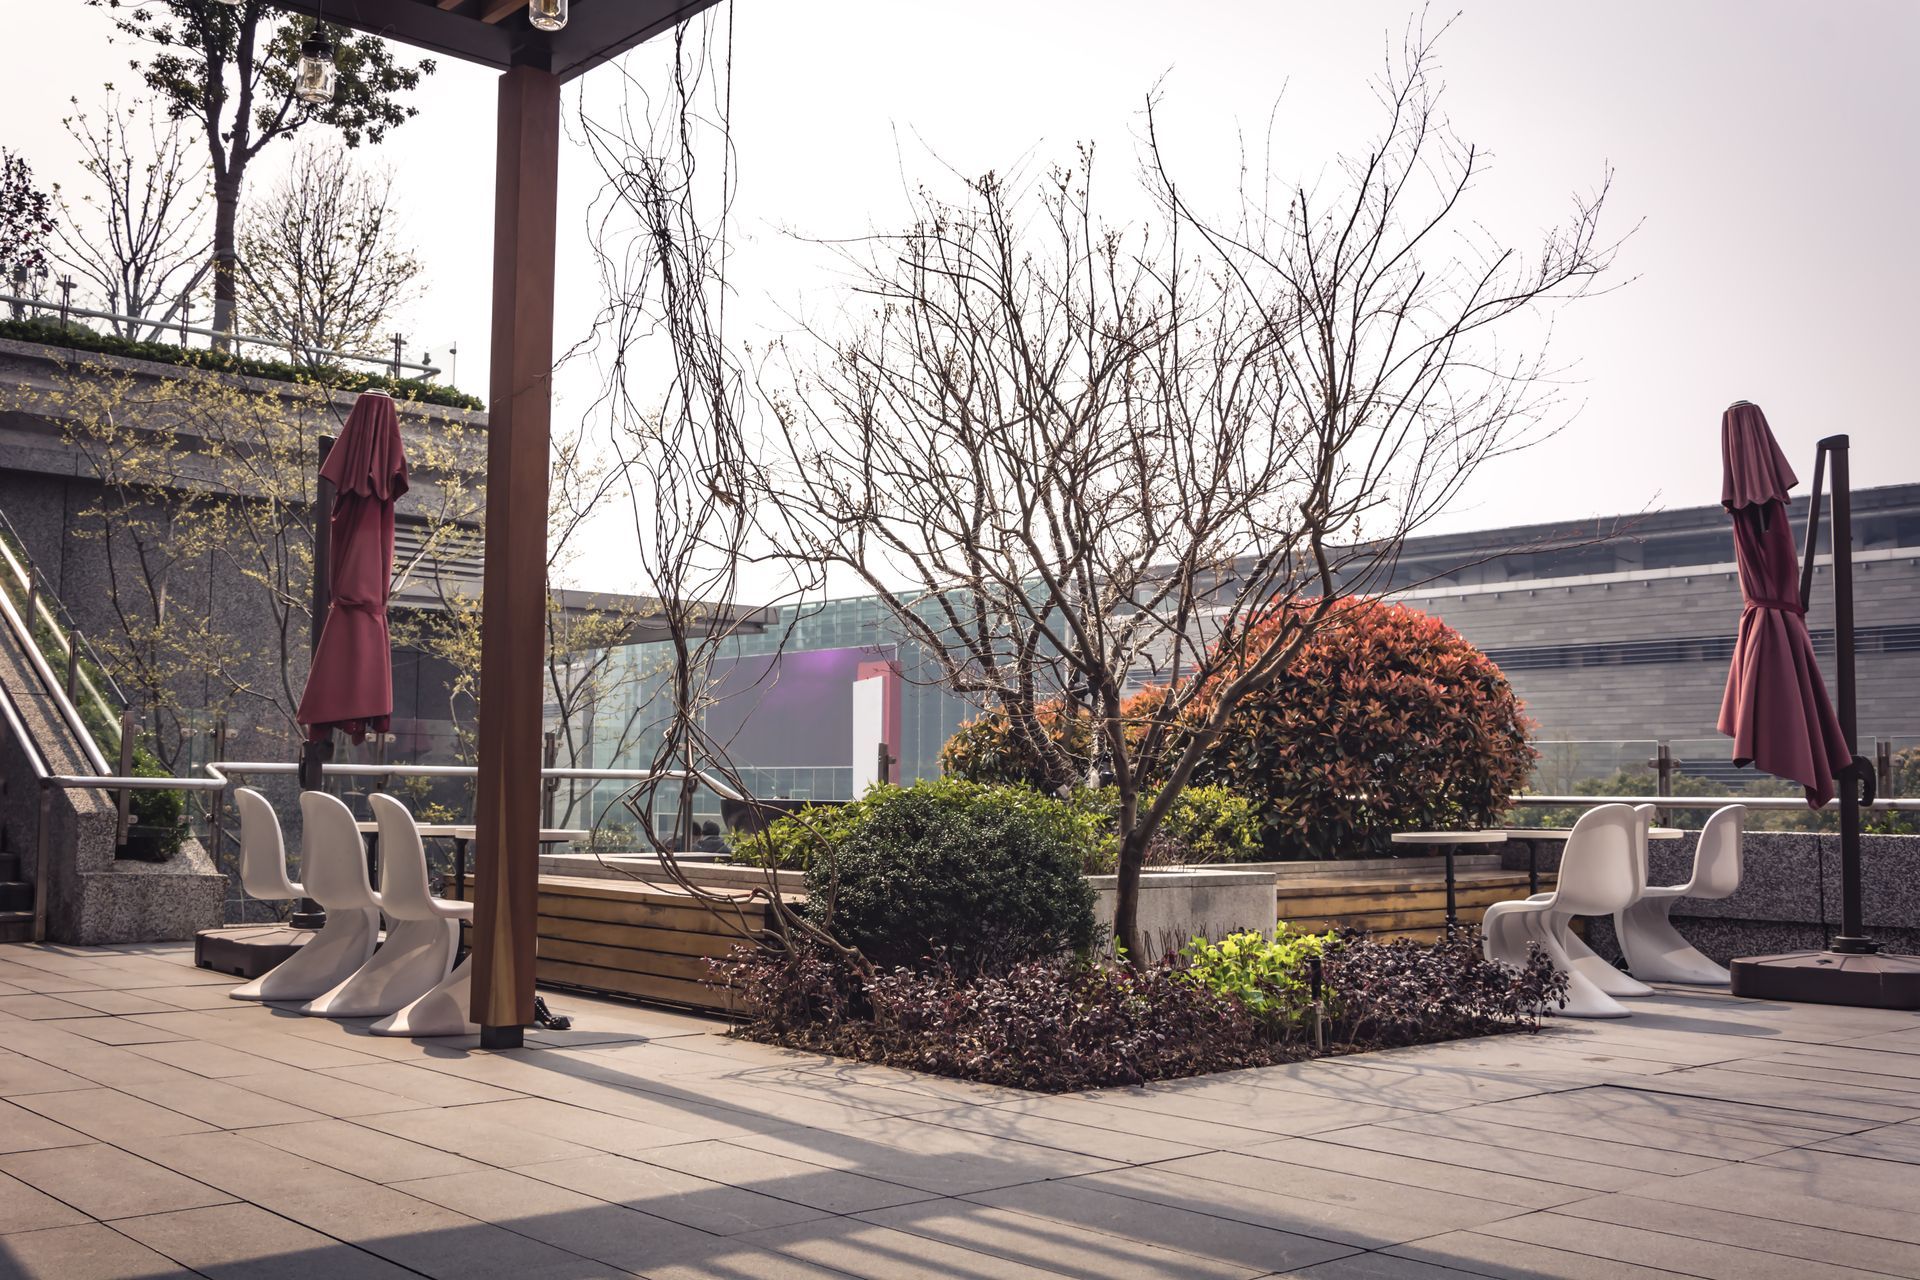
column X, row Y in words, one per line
column 1852, row 938
column 308, row 914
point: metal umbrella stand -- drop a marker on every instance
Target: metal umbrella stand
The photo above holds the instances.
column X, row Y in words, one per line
column 1852, row 970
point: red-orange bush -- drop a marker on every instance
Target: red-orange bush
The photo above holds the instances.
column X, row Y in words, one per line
column 1386, row 720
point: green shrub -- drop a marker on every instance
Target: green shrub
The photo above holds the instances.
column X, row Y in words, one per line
column 948, row 873
column 162, row 813
column 986, row 749
column 1386, row 720
column 1206, row 824
column 80, row 338
column 1268, row 976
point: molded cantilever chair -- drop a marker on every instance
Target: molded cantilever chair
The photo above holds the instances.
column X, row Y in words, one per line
column 1599, row 970
column 1654, row 949
column 416, row 953
column 342, row 945
column 1598, row 876
column 406, row 898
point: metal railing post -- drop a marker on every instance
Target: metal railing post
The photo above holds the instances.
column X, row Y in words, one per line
column 1883, row 766
column 41, row 862
column 126, row 771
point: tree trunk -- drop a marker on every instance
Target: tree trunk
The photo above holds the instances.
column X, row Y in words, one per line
column 226, row 210
column 1126, row 900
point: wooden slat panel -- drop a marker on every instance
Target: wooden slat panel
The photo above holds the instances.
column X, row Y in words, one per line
column 1364, row 903
column 627, row 959
column 667, row 941
column 492, row 11
column 643, row 985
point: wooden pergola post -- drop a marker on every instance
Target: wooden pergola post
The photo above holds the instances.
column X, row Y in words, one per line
column 514, row 607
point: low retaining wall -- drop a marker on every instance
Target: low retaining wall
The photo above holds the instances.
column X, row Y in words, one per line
column 1779, row 905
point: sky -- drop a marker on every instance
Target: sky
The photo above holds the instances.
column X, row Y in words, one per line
column 1764, row 156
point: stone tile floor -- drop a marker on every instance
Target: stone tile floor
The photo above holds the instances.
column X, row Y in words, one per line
column 151, row 1126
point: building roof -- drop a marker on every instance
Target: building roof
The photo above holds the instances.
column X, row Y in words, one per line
column 496, row 33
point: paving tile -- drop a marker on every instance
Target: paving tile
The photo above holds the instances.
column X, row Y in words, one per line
column 1329, row 1153
column 782, row 1177
column 1077, row 1215
column 436, row 1241
column 1374, row 1266
column 1713, row 1260
column 188, row 996
column 1527, row 1146
column 1792, row 1239
column 108, row 1115
column 668, row 1193
column 1833, row 1175
column 934, row 1159
column 1116, row 1145
column 306, row 1052
column 106, row 1182
column 1247, row 1172
column 322, row 1094
column 20, row 1074
column 430, row 1087
column 36, row 1007
column 1093, row 1109
column 94, row 1062
column 593, row 1130
column 1361, row 1225
column 1416, row 1088
column 255, row 1171
column 1222, row 1100
column 1484, row 1255
column 88, row 1252
column 360, row 1151
column 24, row 1129
column 1786, row 1195
column 958, row 1232
column 463, row 1131
column 1898, row 1142
column 1827, row 1097
column 24, row 1208
column 115, row 1002
column 110, row 1030
column 223, row 1105
column 1662, row 1122
column 206, row 1058
column 245, row 1242
column 867, row 1249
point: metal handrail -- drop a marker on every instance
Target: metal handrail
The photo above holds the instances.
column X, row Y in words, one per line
column 65, row 630
column 68, row 712
column 181, row 327
column 1708, row 802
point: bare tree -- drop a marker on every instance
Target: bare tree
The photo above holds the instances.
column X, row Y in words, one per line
column 1079, row 458
column 26, row 218
column 228, row 66
column 324, row 266
column 144, row 232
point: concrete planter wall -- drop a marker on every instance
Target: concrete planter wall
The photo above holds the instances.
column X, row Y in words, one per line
column 1779, row 905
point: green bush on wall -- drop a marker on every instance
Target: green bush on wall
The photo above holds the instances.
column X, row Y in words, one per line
column 1205, row 824
column 947, row 872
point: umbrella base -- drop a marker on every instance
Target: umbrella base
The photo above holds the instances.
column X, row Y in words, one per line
column 247, row 951
column 1872, row 981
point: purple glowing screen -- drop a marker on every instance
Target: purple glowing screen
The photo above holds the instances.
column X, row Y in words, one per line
column 793, row 710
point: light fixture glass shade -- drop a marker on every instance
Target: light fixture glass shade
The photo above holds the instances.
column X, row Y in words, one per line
column 315, row 77
column 547, row 15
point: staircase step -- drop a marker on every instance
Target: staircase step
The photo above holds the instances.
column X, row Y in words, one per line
column 10, row 867
column 16, row 926
column 15, row 895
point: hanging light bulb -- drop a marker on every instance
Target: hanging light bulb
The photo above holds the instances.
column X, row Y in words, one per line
column 314, row 79
column 547, row 15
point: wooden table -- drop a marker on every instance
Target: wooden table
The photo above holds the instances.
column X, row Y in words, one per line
column 1448, row 841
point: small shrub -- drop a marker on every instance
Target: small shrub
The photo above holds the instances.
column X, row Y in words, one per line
column 950, row 872
column 158, row 817
column 1269, row 977
column 1387, row 994
column 1052, row 1024
column 1386, row 720
column 986, row 749
column 1206, row 824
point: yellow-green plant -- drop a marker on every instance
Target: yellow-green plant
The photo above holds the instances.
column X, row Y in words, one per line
column 1271, row 977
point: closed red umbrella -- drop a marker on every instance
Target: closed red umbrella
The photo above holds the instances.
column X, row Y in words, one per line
column 350, row 685
column 1776, row 708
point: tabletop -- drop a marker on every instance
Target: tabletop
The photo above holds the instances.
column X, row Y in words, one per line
column 1561, row 833
column 459, row 831
column 1449, row 837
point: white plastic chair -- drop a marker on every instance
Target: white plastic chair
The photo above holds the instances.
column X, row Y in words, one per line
column 1654, row 949
column 352, row 930
column 1599, row 970
column 1597, row 878
column 405, row 897
column 416, row 953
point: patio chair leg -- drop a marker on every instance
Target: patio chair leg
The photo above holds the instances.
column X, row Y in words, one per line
column 331, row 956
column 440, row 1012
column 413, row 959
column 1655, row 950
column 1596, row 970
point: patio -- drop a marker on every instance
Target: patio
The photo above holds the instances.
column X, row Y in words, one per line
column 153, row 1127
